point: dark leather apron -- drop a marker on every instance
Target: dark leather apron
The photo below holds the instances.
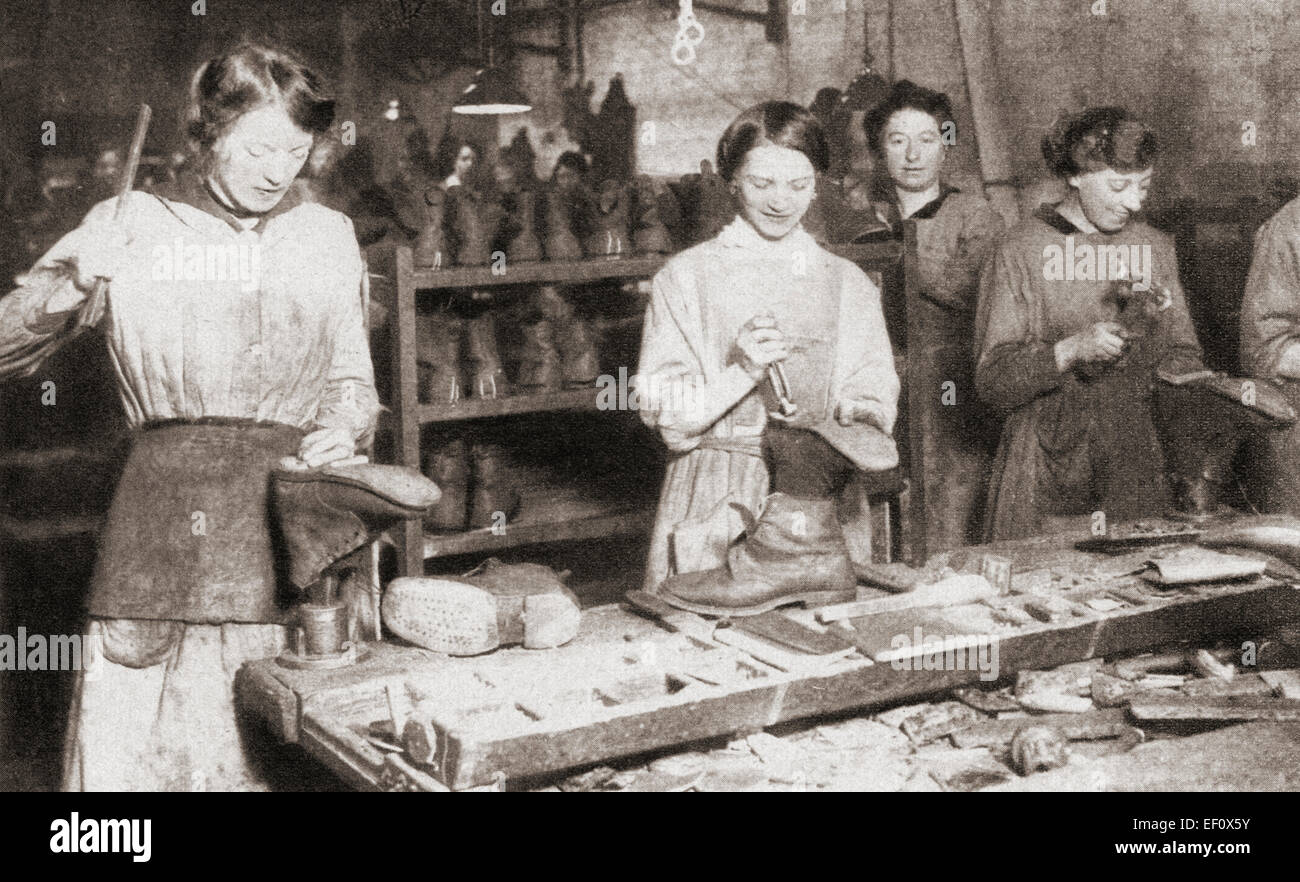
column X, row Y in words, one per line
column 188, row 535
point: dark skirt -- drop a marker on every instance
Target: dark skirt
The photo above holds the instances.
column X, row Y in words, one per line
column 189, row 537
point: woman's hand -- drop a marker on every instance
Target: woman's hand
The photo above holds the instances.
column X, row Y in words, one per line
column 1101, row 342
column 98, row 252
column 854, row 410
column 325, row 446
column 760, row 343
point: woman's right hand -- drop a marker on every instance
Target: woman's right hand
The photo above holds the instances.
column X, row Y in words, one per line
column 98, row 252
column 1101, row 342
column 760, row 343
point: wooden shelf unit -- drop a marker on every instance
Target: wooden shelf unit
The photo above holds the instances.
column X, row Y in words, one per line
column 394, row 281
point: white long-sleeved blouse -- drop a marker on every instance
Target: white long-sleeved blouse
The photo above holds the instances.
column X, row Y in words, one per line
column 206, row 318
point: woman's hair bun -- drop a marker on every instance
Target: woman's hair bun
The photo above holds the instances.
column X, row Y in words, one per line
column 1098, row 138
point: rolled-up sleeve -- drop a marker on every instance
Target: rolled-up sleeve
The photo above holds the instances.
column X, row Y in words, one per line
column 1013, row 363
column 1270, row 307
column 863, row 354
column 29, row 330
column 678, row 396
column 349, row 401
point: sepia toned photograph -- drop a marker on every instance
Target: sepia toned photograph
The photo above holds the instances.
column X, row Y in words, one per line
column 650, row 396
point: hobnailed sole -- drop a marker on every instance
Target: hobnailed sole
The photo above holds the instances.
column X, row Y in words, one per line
column 462, row 619
column 807, row 598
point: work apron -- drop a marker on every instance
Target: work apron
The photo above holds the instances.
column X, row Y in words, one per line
column 189, row 537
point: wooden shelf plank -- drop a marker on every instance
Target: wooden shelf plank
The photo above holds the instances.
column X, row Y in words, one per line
column 617, row 523
column 557, row 272
column 584, row 398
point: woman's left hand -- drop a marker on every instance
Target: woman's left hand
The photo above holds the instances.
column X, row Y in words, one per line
column 325, row 446
column 851, row 410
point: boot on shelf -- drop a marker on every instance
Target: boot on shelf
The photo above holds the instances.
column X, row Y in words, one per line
column 430, row 245
column 475, row 222
column 609, row 237
column 487, row 379
column 524, row 247
column 492, row 606
column 715, row 205
column 494, row 501
column 578, row 350
column 448, row 467
column 437, row 354
column 561, row 243
column 539, row 360
column 651, row 236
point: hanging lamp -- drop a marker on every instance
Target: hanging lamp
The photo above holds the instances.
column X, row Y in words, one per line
column 491, row 92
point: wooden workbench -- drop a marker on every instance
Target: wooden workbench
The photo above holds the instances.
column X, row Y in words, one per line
column 628, row 684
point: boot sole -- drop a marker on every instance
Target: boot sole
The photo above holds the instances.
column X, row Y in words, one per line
column 457, row 618
column 807, row 599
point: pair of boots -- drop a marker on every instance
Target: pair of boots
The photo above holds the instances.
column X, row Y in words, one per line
column 546, row 365
column 476, row 489
column 458, row 358
column 493, row 605
column 794, row 552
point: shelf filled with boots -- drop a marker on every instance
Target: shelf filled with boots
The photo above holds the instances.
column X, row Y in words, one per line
column 504, row 308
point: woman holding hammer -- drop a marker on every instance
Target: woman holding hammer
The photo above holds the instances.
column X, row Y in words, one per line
column 761, row 301
column 235, row 325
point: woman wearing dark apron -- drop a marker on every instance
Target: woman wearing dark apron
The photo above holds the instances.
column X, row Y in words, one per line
column 235, row 326
column 910, row 133
column 1078, row 309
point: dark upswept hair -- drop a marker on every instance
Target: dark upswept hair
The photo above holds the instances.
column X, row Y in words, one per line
column 1098, row 138
column 776, row 122
column 905, row 95
column 246, row 77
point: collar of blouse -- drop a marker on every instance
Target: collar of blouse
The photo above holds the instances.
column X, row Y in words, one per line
column 190, row 189
column 740, row 234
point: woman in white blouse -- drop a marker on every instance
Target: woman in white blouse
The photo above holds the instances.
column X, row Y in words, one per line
column 724, row 311
column 236, row 329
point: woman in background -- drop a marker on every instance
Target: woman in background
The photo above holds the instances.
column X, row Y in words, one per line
column 910, row 133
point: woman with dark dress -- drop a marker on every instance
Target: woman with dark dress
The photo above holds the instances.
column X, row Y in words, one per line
column 1078, row 309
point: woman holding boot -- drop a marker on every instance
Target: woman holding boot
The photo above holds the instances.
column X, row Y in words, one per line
column 722, row 315
column 221, row 376
column 1079, row 307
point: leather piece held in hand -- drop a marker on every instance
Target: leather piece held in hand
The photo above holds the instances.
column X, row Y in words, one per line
column 1192, row 565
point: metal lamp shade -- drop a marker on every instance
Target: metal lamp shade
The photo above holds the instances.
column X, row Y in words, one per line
column 491, row 92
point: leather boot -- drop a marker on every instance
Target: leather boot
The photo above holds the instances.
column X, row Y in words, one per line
column 487, row 379
column 795, row 553
column 494, row 605
column 494, row 501
column 561, row 243
column 326, row 513
column 609, row 238
column 437, row 354
column 448, row 466
column 475, row 222
column 577, row 344
column 525, row 246
column 651, row 236
column 539, row 360
column 716, row 207
column 431, row 243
